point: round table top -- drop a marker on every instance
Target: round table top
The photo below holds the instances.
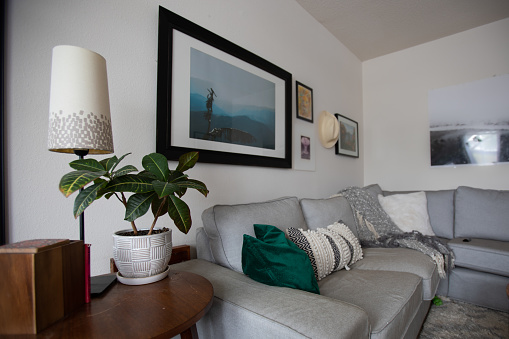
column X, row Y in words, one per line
column 161, row 309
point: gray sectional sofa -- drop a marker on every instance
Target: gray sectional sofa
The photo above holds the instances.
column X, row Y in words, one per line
column 387, row 294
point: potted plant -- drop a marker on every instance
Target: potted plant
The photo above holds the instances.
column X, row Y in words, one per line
column 138, row 253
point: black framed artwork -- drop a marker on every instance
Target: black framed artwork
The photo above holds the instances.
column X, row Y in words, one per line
column 304, row 97
column 218, row 98
column 348, row 141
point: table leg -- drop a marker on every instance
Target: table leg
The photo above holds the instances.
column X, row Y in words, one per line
column 190, row 333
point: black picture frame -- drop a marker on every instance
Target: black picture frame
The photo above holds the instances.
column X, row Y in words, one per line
column 304, row 102
column 348, row 140
column 172, row 30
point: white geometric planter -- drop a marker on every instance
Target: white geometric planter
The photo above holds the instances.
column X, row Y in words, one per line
column 142, row 256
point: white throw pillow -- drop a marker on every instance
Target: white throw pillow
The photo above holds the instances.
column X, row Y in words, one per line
column 408, row 211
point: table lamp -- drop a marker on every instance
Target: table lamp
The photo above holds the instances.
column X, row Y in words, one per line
column 79, row 109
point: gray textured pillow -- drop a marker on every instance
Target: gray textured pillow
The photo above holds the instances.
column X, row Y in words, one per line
column 320, row 212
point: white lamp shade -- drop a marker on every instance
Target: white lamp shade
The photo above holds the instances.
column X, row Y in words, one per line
column 79, row 110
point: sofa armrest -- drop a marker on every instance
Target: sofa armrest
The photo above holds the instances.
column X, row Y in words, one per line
column 276, row 309
column 203, row 246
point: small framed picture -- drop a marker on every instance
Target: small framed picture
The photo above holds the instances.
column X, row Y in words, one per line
column 304, row 102
column 305, row 147
column 348, row 142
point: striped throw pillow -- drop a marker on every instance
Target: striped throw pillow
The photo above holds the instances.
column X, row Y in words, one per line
column 329, row 249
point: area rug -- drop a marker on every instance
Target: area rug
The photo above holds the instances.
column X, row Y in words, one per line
column 456, row 319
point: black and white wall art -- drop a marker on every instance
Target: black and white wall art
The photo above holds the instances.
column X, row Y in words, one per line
column 469, row 123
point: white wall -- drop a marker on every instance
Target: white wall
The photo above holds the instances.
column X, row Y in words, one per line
column 125, row 33
column 395, row 97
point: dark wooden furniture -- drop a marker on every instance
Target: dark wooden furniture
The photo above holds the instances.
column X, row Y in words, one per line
column 42, row 281
column 159, row 310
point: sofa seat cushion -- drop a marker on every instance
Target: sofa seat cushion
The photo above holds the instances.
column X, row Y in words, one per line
column 391, row 299
column 481, row 214
column 254, row 310
column 402, row 260
column 226, row 225
column 482, row 255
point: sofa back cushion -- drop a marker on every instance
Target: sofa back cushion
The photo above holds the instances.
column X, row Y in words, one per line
column 440, row 211
column 226, row 225
column 324, row 212
column 481, row 213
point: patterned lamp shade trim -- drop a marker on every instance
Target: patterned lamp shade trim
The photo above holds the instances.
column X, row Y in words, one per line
column 79, row 114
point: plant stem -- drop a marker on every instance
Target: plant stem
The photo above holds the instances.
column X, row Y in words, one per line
column 133, row 225
column 157, row 215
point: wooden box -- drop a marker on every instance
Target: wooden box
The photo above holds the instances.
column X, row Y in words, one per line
column 42, row 281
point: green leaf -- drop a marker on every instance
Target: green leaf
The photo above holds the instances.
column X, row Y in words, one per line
column 177, row 176
column 124, row 170
column 157, row 164
column 156, row 203
column 187, row 161
column 181, row 192
column 180, row 214
column 73, row 181
column 164, row 188
column 197, row 185
column 130, row 183
column 109, row 163
column 85, row 198
column 118, row 161
column 138, row 205
column 437, row 301
column 108, row 195
column 147, row 174
column 91, row 165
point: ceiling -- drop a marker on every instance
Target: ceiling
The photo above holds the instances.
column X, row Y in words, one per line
column 372, row 28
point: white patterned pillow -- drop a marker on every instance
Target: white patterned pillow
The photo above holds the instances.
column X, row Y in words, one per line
column 408, row 211
column 351, row 240
column 329, row 249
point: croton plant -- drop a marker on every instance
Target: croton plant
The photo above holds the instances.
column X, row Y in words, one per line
column 157, row 187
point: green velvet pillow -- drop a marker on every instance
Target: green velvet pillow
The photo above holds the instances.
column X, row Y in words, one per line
column 272, row 259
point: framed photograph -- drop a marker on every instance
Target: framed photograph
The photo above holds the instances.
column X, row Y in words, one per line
column 348, row 141
column 304, row 147
column 304, row 95
column 217, row 98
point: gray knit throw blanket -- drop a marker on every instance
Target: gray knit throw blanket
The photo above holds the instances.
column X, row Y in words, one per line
column 376, row 229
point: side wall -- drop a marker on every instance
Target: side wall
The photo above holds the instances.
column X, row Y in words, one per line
column 125, row 33
column 395, row 96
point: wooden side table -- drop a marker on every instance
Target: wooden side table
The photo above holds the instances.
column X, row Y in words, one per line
column 159, row 310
